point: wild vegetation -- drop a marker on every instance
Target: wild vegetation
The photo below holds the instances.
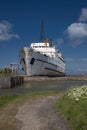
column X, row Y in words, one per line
column 74, row 106
column 5, row 71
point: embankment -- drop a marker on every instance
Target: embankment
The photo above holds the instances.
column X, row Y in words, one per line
column 45, row 78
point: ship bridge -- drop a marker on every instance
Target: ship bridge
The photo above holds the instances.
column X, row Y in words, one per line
column 45, row 48
column 40, row 45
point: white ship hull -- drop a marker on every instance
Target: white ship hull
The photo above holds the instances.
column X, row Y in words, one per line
column 35, row 63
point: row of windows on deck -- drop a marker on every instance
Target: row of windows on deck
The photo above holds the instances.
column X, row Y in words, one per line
column 40, row 46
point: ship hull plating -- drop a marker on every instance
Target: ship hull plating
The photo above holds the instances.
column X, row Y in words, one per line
column 37, row 64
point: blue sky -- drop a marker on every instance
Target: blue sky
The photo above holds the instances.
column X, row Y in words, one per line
column 65, row 22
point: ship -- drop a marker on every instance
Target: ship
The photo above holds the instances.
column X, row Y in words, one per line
column 42, row 59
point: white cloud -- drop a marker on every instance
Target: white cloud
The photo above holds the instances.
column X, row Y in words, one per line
column 83, row 16
column 76, row 59
column 76, row 65
column 77, row 33
column 58, row 41
column 82, row 69
column 5, row 31
column 69, row 59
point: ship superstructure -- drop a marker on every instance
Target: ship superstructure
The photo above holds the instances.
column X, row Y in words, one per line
column 42, row 58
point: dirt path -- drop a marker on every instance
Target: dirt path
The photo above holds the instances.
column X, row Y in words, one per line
column 41, row 114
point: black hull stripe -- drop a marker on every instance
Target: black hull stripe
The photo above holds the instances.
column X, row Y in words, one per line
column 55, row 71
column 46, row 62
column 49, row 68
column 51, row 64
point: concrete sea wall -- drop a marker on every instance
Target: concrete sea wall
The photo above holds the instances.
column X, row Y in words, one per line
column 11, row 81
column 45, row 78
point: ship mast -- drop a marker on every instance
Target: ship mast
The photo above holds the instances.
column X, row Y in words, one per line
column 42, row 32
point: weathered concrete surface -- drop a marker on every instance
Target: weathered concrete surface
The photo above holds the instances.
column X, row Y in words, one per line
column 44, row 78
column 5, row 82
column 10, row 81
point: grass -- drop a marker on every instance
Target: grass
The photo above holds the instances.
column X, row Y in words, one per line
column 8, row 99
column 74, row 110
column 4, row 100
column 8, row 110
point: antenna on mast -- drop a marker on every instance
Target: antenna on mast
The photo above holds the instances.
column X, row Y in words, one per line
column 42, row 32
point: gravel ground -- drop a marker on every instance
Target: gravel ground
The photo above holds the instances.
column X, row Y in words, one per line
column 41, row 114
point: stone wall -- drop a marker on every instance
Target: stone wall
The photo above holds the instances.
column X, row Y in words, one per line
column 9, row 82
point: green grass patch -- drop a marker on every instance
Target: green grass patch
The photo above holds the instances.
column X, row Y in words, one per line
column 74, row 110
column 6, row 99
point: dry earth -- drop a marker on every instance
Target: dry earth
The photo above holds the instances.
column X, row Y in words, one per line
column 41, row 114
